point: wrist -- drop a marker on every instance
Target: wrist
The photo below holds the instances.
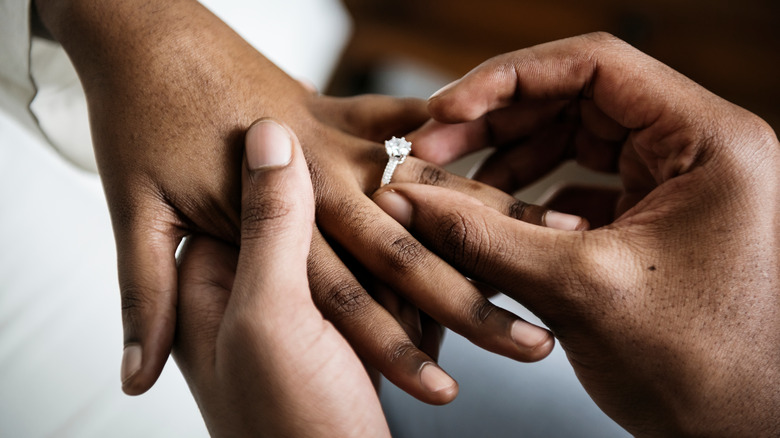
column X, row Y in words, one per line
column 175, row 55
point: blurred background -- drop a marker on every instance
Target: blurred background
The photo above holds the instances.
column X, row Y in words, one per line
column 730, row 47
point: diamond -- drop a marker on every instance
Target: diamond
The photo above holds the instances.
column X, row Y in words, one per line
column 398, row 148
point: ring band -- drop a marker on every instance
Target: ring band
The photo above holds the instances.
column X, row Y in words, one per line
column 397, row 150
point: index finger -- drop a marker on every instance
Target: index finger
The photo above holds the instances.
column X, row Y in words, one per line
column 660, row 107
column 598, row 66
column 523, row 260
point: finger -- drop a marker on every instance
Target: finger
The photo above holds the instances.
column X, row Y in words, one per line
column 206, row 271
column 597, row 204
column 432, row 336
column 560, row 70
column 512, row 168
column 627, row 86
column 373, row 117
column 371, row 330
column 530, row 263
column 277, row 215
column 599, row 124
column 441, row 143
column 407, row 315
column 147, row 283
column 429, row 283
column 487, row 290
column 418, row 171
column 636, row 178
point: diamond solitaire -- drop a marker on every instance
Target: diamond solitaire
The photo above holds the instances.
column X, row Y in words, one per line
column 397, row 149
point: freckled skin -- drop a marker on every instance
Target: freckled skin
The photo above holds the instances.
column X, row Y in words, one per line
column 669, row 312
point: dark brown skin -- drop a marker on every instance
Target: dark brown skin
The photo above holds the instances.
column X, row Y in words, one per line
column 171, row 91
column 258, row 356
column 669, row 314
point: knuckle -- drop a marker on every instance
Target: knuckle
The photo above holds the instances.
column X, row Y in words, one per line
column 517, row 209
column 405, row 254
column 522, row 211
column 432, row 175
column 138, row 305
column 602, row 45
column 343, row 301
column 602, row 37
column 400, row 349
column 460, row 241
column 479, row 311
column 136, row 299
column 758, row 129
column 354, row 215
column 259, row 216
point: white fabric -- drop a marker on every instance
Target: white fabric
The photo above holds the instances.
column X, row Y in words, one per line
column 16, row 88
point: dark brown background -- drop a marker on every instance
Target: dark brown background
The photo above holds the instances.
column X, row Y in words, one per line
column 730, row 47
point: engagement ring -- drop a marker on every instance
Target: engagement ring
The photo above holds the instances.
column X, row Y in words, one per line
column 397, row 149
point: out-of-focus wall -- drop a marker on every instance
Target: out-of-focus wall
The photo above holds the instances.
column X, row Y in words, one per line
column 729, row 47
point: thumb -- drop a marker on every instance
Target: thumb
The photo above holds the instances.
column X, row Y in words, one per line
column 530, row 263
column 277, row 216
column 147, row 283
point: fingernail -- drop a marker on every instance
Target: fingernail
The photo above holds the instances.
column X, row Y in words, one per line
column 434, row 379
column 527, row 335
column 267, row 144
column 131, row 362
column 443, row 89
column 395, row 205
column 563, row 221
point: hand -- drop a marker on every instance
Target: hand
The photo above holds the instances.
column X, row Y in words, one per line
column 170, row 90
column 258, row 356
column 669, row 314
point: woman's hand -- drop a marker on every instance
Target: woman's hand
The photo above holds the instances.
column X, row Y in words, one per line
column 257, row 354
column 171, row 90
column 668, row 314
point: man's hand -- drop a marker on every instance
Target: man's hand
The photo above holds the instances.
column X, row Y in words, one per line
column 256, row 352
column 669, row 314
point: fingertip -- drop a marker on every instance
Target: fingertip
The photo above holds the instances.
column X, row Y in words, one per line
column 132, row 359
column 444, row 107
column 438, row 383
column 563, row 221
column 535, row 342
column 138, row 371
column 395, row 205
column 428, row 144
column 443, row 90
column 441, row 143
column 268, row 144
column 141, row 367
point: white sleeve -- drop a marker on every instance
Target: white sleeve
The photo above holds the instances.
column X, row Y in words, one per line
column 17, row 88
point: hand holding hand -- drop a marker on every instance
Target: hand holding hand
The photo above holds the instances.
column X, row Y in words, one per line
column 257, row 354
column 669, row 314
column 171, row 90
